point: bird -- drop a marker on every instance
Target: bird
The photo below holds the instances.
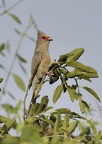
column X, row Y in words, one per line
column 40, row 61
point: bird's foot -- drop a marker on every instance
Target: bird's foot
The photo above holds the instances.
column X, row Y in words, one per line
column 47, row 73
column 50, row 74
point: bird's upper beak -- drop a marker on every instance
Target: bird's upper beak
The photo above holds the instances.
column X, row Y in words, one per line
column 50, row 39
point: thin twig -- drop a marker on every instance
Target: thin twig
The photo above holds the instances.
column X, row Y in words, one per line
column 77, row 85
column 10, row 7
column 13, row 61
column 10, row 69
column 24, row 105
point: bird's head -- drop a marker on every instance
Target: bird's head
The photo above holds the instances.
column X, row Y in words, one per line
column 44, row 37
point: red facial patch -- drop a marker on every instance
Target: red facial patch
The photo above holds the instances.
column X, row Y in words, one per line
column 45, row 38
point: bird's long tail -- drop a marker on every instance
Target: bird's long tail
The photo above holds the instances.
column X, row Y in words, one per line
column 35, row 96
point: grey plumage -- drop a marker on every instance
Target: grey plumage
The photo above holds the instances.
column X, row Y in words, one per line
column 40, row 60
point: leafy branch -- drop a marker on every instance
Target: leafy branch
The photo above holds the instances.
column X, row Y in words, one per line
column 60, row 125
column 79, row 72
column 16, row 55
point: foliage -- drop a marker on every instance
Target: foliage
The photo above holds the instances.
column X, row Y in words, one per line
column 45, row 125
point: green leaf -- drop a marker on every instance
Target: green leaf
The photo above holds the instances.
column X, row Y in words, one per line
column 30, row 135
column 19, row 82
column 37, row 108
column 57, row 123
column 48, row 121
column 91, row 75
column 1, row 79
column 64, row 57
column 97, row 138
column 84, row 77
column 86, row 106
column 48, row 108
column 91, row 91
column 94, row 129
column 57, row 93
column 17, row 31
column 7, row 126
column 62, row 111
column 2, row 54
column 76, row 115
column 2, row 119
column 10, row 140
column 83, row 132
column 72, row 93
column 81, row 74
column 44, row 100
column 72, row 127
column 77, row 53
column 55, row 140
column 19, row 127
column 65, row 123
column 73, row 74
column 22, row 67
column 2, row 47
column 81, row 104
column 40, row 108
column 34, row 108
column 82, row 67
column 2, row 67
column 18, row 106
column 11, row 95
column 63, row 71
column 15, row 18
column 8, row 108
column 21, row 58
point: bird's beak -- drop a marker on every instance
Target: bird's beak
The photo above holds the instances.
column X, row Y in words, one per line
column 50, row 39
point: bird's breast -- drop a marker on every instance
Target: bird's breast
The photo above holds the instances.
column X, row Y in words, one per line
column 42, row 69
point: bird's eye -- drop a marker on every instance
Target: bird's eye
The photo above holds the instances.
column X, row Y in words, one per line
column 43, row 37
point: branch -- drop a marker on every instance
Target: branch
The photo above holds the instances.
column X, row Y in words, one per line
column 13, row 61
column 35, row 95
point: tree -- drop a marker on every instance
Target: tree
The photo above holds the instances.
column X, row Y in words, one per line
column 43, row 126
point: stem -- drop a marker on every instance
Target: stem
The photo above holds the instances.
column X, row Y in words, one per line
column 10, row 8
column 12, row 64
column 77, row 85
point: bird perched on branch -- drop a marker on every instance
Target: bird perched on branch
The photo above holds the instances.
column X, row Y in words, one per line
column 40, row 60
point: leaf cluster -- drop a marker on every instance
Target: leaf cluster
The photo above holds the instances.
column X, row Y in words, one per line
column 61, row 71
column 60, row 125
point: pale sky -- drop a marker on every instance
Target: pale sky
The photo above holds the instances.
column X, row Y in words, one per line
column 71, row 24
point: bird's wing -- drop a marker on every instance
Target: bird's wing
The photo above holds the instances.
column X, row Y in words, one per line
column 36, row 60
